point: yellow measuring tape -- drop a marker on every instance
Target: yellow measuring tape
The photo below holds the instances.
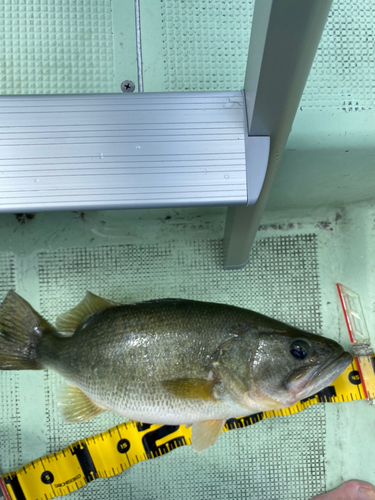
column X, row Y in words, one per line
column 117, row 449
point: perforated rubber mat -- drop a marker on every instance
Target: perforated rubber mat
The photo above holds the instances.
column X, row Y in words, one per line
column 53, row 47
column 282, row 457
column 10, row 442
column 68, row 47
column 205, row 48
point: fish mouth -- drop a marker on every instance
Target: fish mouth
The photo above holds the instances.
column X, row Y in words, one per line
column 307, row 381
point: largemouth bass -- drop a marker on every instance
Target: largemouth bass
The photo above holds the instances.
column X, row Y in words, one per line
column 169, row 361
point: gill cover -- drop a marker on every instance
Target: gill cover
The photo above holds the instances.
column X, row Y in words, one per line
column 232, row 362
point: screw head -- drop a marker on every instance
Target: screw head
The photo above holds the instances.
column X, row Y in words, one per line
column 127, row 86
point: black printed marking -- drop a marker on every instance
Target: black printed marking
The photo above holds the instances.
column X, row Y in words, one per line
column 354, row 377
column 150, row 438
column 47, row 477
column 16, row 487
column 85, row 461
column 142, row 427
column 328, row 393
column 233, row 423
column 123, row 446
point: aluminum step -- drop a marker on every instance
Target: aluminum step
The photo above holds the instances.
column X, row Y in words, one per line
column 110, row 151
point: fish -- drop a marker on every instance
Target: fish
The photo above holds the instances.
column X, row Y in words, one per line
column 169, row 361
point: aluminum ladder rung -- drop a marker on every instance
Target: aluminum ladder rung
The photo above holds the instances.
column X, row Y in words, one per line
column 109, row 151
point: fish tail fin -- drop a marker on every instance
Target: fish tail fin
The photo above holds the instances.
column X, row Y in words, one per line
column 21, row 329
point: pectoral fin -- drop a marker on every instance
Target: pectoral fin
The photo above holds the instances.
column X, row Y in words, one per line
column 76, row 406
column 68, row 322
column 190, row 388
column 205, row 434
column 233, row 382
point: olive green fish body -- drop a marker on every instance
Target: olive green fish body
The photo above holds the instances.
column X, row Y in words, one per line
column 122, row 357
column 169, row 361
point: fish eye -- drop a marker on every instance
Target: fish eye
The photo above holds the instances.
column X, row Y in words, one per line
column 300, row 349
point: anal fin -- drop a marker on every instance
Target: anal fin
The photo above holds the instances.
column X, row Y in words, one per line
column 75, row 406
column 205, row 434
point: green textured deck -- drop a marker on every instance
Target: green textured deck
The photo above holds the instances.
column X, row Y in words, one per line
column 52, row 259
column 51, row 46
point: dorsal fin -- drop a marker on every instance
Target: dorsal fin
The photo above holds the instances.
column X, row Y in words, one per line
column 68, row 321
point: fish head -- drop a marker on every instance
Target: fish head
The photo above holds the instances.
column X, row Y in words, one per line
column 274, row 367
column 292, row 365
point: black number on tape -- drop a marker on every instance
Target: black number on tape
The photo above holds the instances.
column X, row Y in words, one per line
column 123, row 446
column 354, row 377
column 47, row 477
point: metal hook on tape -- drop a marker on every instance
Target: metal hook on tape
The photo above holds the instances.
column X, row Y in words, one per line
column 360, row 339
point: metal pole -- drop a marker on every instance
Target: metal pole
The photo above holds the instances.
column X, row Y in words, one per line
column 284, row 39
column 139, row 44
